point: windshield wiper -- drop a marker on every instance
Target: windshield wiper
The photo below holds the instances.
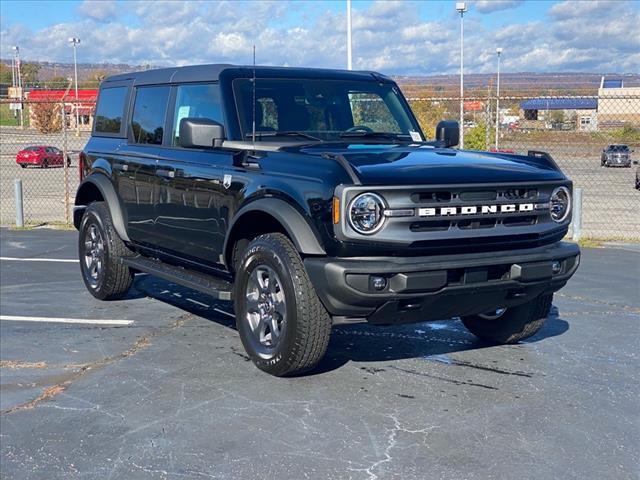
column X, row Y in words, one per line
column 283, row 133
column 366, row 134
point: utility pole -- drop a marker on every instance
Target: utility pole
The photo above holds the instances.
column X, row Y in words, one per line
column 74, row 41
column 349, row 52
column 16, row 51
column 461, row 7
column 499, row 52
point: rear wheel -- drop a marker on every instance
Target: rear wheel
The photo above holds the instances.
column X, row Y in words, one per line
column 100, row 250
column 510, row 325
column 282, row 323
column 45, row 163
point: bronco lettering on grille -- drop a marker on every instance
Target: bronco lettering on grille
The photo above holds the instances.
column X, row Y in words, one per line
column 476, row 209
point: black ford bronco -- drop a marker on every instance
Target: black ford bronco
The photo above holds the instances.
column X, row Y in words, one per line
column 310, row 197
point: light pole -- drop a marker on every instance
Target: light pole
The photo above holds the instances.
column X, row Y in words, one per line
column 461, row 7
column 74, row 41
column 349, row 57
column 499, row 52
column 18, row 79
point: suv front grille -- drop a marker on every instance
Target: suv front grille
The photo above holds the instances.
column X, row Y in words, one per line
column 478, row 214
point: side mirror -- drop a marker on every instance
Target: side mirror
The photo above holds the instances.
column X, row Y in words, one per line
column 200, row 133
column 448, row 133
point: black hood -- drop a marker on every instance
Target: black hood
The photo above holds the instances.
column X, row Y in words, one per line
column 410, row 165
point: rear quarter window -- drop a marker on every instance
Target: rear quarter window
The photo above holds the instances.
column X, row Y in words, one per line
column 110, row 110
column 149, row 110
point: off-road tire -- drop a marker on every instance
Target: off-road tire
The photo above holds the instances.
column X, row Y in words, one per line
column 308, row 325
column 517, row 323
column 115, row 278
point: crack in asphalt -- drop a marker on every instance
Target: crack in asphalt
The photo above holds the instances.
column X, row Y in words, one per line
column 463, row 363
column 444, row 379
column 60, row 387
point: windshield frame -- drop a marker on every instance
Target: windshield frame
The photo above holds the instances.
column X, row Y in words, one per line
column 391, row 137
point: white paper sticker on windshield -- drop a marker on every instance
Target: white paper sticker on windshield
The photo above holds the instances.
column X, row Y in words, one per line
column 415, row 136
column 183, row 112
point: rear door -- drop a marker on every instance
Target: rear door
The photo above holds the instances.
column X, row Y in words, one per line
column 193, row 201
column 136, row 162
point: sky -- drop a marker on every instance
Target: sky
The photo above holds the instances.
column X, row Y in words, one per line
column 394, row 37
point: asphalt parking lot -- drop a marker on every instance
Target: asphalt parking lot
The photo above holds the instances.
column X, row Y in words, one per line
column 172, row 395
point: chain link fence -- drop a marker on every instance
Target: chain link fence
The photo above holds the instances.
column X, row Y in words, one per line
column 573, row 129
column 40, row 148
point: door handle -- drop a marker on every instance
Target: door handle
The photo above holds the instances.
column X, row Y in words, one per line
column 123, row 167
column 165, row 173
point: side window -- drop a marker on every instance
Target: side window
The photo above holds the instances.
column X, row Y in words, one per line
column 110, row 110
column 196, row 101
column 149, row 113
column 370, row 110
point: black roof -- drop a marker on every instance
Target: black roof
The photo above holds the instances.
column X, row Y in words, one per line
column 212, row 72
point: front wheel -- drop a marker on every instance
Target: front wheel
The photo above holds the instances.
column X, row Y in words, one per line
column 282, row 323
column 100, row 250
column 504, row 326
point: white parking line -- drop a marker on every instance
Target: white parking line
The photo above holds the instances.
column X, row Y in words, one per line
column 226, row 313
column 16, row 259
column 81, row 321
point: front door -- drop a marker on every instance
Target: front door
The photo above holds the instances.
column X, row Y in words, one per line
column 193, row 199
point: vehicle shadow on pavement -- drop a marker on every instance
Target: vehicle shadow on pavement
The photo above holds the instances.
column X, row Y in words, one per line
column 360, row 343
column 363, row 343
column 186, row 299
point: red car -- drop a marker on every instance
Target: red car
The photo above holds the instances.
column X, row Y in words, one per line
column 41, row 156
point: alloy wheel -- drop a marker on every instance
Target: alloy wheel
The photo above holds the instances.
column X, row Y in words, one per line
column 93, row 255
column 266, row 308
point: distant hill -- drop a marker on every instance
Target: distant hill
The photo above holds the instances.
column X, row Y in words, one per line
column 561, row 83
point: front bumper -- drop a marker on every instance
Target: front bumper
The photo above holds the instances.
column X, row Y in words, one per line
column 442, row 286
column 618, row 161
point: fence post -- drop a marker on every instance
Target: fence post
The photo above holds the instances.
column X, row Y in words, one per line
column 576, row 218
column 18, row 203
column 65, row 166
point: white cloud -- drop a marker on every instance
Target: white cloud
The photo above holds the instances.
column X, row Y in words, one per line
column 388, row 36
column 100, row 10
column 489, row 6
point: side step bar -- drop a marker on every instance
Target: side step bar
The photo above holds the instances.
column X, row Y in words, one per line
column 216, row 287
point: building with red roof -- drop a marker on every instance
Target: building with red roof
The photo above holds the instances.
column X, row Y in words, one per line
column 83, row 108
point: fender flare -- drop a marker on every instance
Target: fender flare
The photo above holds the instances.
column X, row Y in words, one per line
column 104, row 185
column 298, row 229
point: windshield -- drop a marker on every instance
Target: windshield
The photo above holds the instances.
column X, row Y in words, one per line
column 323, row 110
column 619, row 148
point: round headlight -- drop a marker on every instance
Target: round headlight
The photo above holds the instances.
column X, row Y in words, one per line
column 366, row 213
column 560, row 204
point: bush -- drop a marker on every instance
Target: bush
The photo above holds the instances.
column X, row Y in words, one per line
column 627, row 134
column 46, row 117
column 476, row 138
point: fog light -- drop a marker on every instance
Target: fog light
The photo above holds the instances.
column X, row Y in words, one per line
column 556, row 267
column 379, row 283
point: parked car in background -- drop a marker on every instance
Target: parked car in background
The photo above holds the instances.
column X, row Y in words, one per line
column 42, row 156
column 616, row 156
